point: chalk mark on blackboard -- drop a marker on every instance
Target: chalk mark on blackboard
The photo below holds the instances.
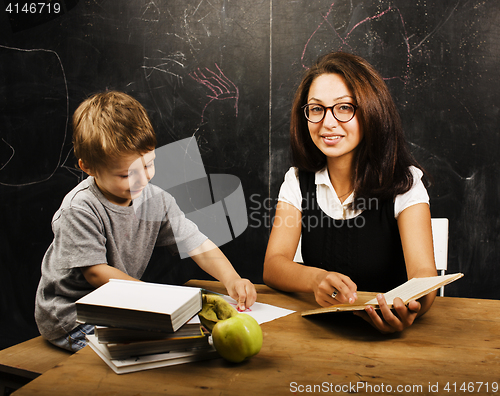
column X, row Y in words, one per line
column 151, row 13
column 66, row 124
column 177, row 58
column 325, row 19
column 439, row 26
column 366, row 20
column 151, row 9
column 73, row 169
column 344, row 39
column 13, row 153
column 221, row 87
column 473, row 119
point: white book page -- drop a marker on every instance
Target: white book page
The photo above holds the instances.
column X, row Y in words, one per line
column 408, row 290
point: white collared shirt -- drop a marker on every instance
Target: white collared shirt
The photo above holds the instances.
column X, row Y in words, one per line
column 329, row 202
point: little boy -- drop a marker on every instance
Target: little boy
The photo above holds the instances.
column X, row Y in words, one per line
column 97, row 232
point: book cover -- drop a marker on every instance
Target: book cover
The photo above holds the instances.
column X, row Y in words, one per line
column 106, row 334
column 139, row 305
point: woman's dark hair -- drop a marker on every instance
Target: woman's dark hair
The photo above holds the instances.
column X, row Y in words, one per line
column 382, row 159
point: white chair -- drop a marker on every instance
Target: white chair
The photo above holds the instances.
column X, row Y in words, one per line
column 440, row 240
column 298, row 253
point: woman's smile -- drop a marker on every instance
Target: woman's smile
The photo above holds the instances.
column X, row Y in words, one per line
column 334, row 138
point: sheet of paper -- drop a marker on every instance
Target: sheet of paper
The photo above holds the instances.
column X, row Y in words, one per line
column 413, row 287
column 260, row 312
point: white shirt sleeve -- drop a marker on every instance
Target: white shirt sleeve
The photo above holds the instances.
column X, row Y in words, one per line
column 290, row 189
column 415, row 195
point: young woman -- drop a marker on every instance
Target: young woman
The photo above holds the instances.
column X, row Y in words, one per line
column 354, row 198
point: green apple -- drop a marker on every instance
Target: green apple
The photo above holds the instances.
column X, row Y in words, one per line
column 237, row 338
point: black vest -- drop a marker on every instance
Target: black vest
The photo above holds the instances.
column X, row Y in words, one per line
column 366, row 248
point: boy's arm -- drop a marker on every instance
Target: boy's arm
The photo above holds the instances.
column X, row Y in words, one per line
column 98, row 275
column 211, row 260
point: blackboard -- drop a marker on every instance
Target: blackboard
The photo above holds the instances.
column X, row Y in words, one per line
column 224, row 72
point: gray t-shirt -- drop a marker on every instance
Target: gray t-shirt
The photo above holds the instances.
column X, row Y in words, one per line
column 90, row 230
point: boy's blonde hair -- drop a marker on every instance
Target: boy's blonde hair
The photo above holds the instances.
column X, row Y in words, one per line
column 108, row 125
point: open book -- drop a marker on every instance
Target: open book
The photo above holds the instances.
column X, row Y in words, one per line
column 408, row 291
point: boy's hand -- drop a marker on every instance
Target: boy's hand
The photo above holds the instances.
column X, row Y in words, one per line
column 210, row 259
column 243, row 291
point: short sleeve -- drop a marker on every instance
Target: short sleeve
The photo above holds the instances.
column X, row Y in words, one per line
column 290, row 189
column 79, row 239
column 415, row 195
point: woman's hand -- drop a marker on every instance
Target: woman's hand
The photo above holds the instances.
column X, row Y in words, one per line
column 243, row 291
column 391, row 321
column 331, row 283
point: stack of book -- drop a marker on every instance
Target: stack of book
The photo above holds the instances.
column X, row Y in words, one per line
column 141, row 325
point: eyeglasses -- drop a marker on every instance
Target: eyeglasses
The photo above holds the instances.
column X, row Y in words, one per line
column 343, row 112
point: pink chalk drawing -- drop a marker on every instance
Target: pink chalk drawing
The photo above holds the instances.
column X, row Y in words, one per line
column 345, row 40
column 220, row 86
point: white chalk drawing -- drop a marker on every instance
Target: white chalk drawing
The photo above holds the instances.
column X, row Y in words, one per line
column 16, row 145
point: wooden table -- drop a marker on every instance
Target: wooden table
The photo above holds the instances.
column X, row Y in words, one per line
column 455, row 345
column 24, row 362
